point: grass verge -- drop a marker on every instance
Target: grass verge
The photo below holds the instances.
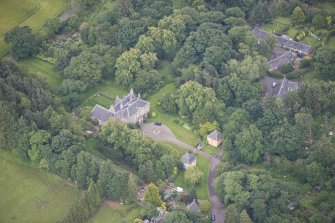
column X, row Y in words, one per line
column 32, row 195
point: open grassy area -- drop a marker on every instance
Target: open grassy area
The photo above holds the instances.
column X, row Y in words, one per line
column 278, row 25
column 42, row 70
column 116, row 213
column 210, row 150
column 331, row 42
column 14, row 12
column 327, row 7
column 167, row 119
column 25, row 13
column 31, row 195
column 202, row 189
column 107, row 87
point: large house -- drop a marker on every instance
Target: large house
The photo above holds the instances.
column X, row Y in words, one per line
column 214, row 138
column 130, row 109
column 284, row 42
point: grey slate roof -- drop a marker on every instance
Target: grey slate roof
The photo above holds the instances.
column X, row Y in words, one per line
column 281, row 60
column 188, row 158
column 194, row 206
column 216, row 135
column 101, row 113
column 123, row 108
column 287, row 86
column 283, row 41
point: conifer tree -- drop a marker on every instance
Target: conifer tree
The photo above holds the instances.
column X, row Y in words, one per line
column 152, row 195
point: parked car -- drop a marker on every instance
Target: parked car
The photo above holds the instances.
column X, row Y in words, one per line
column 158, row 123
column 213, row 217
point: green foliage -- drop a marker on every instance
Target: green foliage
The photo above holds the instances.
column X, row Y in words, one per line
column 298, row 16
column 23, row 42
column 176, row 216
column 205, row 206
column 152, row 195
column 324, row 62
column 319, row 21
column 193, row 175
column 51, row 25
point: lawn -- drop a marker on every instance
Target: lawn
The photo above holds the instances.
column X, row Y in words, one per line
column 328, row 7
column 202, row 189
column 107, row 87
column 181, row 133
column 278, row 25
column 116, row 213
column 210, row 150
column 32, row 195
column 42, row 70
column 98, row 99
column 25, row 13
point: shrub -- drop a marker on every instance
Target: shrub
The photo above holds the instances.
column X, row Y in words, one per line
column 287, row 68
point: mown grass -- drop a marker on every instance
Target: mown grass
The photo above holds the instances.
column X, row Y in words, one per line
column 210, row 150
column 278, row 25
column 116, row 213
column 13, row 12
column 32, row 195
column 16, row 9
column 180, row 132
column 327, row 7
column 42, row 70
column 331, row 42
column 202, row 188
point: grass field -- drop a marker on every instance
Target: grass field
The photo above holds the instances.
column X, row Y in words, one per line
column 31, row 195
column 42, row 70
column 116, row 213
column 202, row 189
column 210, row 150
column 167, row 119
column 13, row 12
column 331, row 42
column 278, row 24
column 327, row 7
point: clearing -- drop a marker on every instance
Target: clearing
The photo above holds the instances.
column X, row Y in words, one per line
column 115, row 213
column 42, row 70
column 32, row 195
column 26, row 13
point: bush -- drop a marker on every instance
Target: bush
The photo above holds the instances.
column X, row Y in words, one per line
column 275, row 74
column 306, row 62
column 287, row 68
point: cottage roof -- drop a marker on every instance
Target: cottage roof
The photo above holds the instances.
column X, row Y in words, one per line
column 283, row 41
column 216, row 135
column 194, row 206
column 287, row 86
column 281, row 60
column 188, row 158
column 100, row 113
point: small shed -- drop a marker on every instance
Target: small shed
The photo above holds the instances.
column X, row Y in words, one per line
column 194, row 206
column 188, row 160
column 214, row 138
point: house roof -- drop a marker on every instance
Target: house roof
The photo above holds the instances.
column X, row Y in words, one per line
column 216, row 135
column 188, row 158
column 284, row 41
column 194, row 206
column 281, row 60
column 100, row 113
column 287, row 86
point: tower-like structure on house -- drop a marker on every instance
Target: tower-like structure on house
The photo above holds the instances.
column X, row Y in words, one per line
column 129, row 109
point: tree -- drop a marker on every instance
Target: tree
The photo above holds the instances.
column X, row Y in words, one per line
column 86, row 67
column 193, row 175
column 250, row 144
column 319, row 21
column 298, row 16
column 232, row 214
column 325, row 62
column 23, row 42
column 244, row 217
column 193, row 194
column 152, row 195
column 51, row 25
column 176, row 216
column 131, row 190
column 207, row 128
column 205, row 206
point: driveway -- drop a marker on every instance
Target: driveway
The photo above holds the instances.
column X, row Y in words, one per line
column 164, row 134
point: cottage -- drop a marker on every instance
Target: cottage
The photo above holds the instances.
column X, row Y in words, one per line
column 193, row 206
column 214, row 138
column 280, row 61
column 284, row 42
column 130, row 109
column 188, row 160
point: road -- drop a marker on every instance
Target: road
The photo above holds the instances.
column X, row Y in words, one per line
column 164, row 134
